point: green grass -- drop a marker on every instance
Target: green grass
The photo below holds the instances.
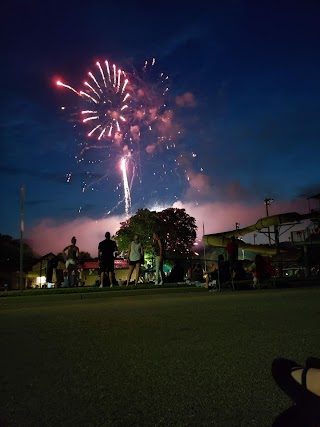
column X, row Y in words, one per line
column 164, row 357
column 90, row 289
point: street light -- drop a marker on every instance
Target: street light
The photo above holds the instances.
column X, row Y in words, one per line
column 254, row 238
column 268, row 202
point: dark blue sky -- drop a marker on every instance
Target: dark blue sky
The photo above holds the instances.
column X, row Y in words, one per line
column 252, row 69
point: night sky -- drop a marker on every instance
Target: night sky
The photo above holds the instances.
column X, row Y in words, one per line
column 244, row 106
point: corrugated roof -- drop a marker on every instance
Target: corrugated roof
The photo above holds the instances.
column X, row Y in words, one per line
column 94, row 265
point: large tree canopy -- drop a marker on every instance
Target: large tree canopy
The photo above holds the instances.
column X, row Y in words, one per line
column 144, row 222
column 179, row 231
column 176, row 227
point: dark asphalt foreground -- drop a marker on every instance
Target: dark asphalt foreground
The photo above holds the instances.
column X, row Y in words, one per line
column 151, row 358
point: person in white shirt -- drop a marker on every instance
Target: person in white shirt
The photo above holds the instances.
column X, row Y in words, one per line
column 135, row 257
column 71, row 254
column 158, row 248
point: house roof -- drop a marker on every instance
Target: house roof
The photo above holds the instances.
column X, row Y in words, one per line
column 89, row 265
column 47, row 256
column 121, row 263
column 84, row 265
column 94, row 265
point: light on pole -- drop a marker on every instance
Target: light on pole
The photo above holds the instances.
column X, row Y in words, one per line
column 268, row 202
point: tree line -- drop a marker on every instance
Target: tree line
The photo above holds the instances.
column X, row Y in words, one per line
column 176, row 227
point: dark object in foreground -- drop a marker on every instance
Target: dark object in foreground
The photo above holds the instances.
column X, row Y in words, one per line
column 306, row 411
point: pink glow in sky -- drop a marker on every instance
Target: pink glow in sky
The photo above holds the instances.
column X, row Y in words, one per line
column 49, row 236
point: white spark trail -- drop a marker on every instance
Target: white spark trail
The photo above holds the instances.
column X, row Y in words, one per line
column 88, row 96
column 95, row 80
column 126, row 188
column 93, row 130
column 59, row 83
column 87, row 119
column 89, row 86
column 108, row 70
column 102, row 73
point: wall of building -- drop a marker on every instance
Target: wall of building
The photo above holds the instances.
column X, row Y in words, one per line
column 90, row 277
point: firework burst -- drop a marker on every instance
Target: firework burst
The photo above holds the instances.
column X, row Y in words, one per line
column 107, row 100
column 127, row 113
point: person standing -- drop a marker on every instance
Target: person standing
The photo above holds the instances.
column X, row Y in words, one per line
column 197, row 273
column 212, row 273
column 158, row 247
column 106, row 254
column 232, row 250
column 135, row 257
column 71, row 254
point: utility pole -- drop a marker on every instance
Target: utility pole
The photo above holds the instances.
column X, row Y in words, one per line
column 21, row 235
column 268, row 202
column 254, row 238
column 204, row 250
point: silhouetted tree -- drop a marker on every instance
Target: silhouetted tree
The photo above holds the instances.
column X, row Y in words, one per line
column 179, row 231
column 84, row 255
column 177, row 228
column 10, row 254
column 144, row 222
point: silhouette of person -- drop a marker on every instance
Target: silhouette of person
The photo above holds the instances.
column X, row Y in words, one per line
column 197, row 273
column 135, row 256
column 71, row 254
column 106, row 254
column 232, row 250
column 177, row 273
column 158, row 248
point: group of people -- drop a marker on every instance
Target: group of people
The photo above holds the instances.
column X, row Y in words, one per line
column 232, row 268
column 222, row 269
column 136, row 257
column 261, row 269
column 300, row 382
column 107, row 252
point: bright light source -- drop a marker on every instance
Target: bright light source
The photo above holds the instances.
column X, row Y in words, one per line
column 158, row 207
column 41, row 280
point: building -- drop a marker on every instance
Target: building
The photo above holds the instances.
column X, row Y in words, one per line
column 48, row 267
column 37, row 276
column 89, row 271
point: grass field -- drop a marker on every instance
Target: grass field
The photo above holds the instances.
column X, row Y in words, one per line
column 167, row 357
